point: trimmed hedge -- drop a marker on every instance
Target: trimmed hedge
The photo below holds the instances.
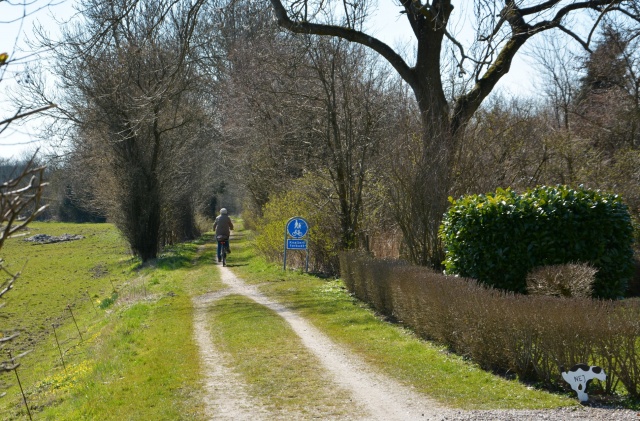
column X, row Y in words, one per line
column 499, row 237
column 531, row 336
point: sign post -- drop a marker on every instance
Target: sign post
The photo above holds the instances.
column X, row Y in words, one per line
column 295, row 238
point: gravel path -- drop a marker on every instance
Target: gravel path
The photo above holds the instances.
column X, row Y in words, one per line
column 382, row 397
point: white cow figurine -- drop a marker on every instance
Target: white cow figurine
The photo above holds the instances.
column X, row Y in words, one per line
column 579, row 377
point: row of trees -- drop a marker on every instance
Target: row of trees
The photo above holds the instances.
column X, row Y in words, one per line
column 399, row 171
column 136, row 115
column 446, row 110
column 164, row 104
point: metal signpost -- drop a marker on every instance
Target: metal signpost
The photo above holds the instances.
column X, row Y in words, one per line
column 295, row 238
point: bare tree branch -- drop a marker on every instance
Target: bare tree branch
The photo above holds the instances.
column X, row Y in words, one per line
column 20, row 115
column 375, row 44
column 521, row 31
column 16, row 199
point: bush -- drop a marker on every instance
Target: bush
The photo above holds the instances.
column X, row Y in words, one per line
column 570, row 280
column 323, row 237
column 500, row 237
column 531, row 336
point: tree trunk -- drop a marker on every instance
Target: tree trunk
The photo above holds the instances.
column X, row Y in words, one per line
column 145, row 220
column 428, row 183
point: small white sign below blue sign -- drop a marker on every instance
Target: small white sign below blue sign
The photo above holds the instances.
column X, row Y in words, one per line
column 297, row 228
column 297, row 244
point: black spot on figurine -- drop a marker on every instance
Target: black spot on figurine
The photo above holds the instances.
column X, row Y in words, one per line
column 579, row 377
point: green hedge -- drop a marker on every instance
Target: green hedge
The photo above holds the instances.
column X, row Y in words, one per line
column 499, row 237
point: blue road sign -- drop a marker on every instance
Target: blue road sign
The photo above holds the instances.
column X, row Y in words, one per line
column 297, row 228
column 295, row 238
column 297, row 244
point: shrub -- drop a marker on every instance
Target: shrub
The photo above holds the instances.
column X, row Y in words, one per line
column 250, row 216
column 500, row 237
column 570, row 280
column 367, row 279
column 107, row 302
column 323, row 228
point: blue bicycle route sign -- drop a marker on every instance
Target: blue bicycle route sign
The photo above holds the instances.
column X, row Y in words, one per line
column 295, row 238
column 297, row 228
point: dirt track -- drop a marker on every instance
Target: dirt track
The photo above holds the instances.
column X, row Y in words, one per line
column 378, row 397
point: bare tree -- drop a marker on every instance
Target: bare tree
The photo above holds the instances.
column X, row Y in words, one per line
column 137, row 110
column 607, row 112
column 504, row 147
column 607, row 105
column 355, row 105
column 320, row 106
column 560, row 75
column 502, row 29
column 20, row 197
column 264, row 144
column 18, row 15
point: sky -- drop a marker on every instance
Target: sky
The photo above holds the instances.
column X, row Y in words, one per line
column 17, row 19
column 17, row 23
column 392, row 27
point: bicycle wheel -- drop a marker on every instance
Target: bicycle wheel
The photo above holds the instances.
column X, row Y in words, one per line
column 223, row 254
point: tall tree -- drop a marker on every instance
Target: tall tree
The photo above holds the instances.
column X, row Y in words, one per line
column 502, row 29
column 353, row 98
column 607, row 111
column 137, row 107
column 607, row 106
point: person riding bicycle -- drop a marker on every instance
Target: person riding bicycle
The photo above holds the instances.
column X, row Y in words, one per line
column 223, row 226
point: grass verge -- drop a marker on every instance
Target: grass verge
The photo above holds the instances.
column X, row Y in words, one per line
column 136, row 358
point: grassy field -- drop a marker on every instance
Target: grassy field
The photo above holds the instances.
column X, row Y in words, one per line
column 137, row 358
column 129, row 359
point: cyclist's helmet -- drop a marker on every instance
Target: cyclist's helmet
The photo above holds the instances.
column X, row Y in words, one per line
column 223, row 211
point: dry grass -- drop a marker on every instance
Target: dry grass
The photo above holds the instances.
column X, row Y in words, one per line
column 568, row 280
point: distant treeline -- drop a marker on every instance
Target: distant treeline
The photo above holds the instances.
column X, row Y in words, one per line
column 62, row 203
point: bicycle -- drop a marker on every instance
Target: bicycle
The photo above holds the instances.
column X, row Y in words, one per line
column 223, row 241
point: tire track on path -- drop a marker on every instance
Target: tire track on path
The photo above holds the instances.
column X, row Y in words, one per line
column 226, row 398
